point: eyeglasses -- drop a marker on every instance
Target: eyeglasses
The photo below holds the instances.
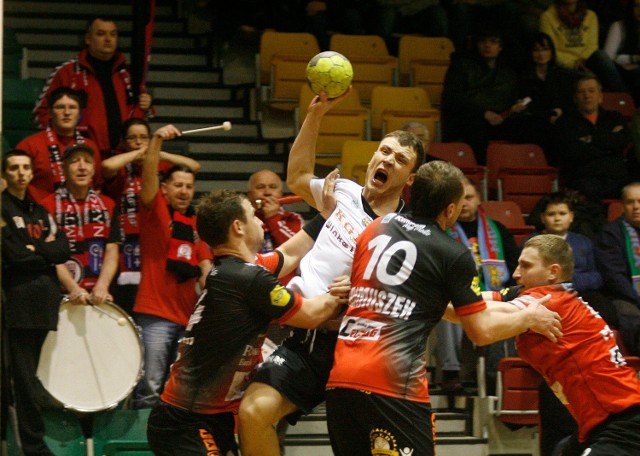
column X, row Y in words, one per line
column 137, row 137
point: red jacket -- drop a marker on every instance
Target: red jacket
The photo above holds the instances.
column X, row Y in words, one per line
column 44, row 181
column 80, row 75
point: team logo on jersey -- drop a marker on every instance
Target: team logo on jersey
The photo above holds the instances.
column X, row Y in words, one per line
column 184, row 251
column 280, row 296
column 76, row 269
column 383, row 443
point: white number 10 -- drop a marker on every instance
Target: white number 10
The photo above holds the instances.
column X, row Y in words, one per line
column 381, row 256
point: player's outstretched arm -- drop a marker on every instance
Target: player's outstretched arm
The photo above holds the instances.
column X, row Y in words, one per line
column 315, row 311
column 302, row 158
column 486, row 327
column 295, row 248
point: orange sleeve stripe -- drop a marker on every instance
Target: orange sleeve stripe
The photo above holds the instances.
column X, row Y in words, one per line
column 471, row 308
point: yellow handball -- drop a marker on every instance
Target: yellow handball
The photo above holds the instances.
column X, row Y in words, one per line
column 330, row 72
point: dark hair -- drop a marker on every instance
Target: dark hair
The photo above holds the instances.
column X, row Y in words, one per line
column 542, row 39
column 215, row 213
column 555, row 198
column 438, row 183
column 13, row 153
column 64, row 91
column 408, row 139
column 166, row 175
column 586, row 77
column 134, row 121
column 98, row 18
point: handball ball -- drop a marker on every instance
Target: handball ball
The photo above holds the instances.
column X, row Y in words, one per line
column 329, row 72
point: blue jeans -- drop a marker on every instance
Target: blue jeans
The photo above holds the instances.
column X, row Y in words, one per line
column 160, row 339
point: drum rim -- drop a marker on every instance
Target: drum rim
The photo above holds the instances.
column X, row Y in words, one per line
column 139, row 375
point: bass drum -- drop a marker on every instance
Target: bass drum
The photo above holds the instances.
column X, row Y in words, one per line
column 94, row 360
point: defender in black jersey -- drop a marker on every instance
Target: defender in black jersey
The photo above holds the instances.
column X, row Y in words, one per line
column 226, row 330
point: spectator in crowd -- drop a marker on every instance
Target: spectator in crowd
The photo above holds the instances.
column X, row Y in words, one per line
column 592, row 141
column 122, row 173
column 101, row 74
column 377, row 393
column 173, row 258
column 279, row 225
column 480, row 94
column 617, row 250
column 557, row 218
column 574, row 30
column 468, row 18
column 46, row 147
column 549, row 87
column 90, row 221
column 32, row 245
column 495, row 254
column 597, row 387
column 623, row 47
column 222, row 343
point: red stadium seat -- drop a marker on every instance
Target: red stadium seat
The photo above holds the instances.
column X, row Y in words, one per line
column 461, row 155
column 517, row 389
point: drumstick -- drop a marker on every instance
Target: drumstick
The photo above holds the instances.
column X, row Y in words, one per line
column 283, row 200
column 226, row 126
column 121, row 321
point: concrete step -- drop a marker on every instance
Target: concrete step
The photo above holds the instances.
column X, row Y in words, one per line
column 192, row 93
column 199, row 114
column 74, row 40
column 161, row 74
column 177, row 58
column 75, row 8
column 54, row 21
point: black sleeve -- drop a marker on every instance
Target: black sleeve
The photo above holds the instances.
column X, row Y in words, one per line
column 116, row 234
column 56, row 251
column 314, row 226
column 269, row 296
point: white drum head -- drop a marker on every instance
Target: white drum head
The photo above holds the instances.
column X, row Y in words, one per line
column 94, row 360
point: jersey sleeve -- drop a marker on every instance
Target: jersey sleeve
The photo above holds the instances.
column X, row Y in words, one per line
column 316, row 186
column 271, row 298
column 271, row 261
column 465, row 299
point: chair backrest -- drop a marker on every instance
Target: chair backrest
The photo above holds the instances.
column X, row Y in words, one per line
column 461, row 155
column 303, row 45
column 355, row 158
column 621, row 102
column 404, row 99
column 306, row 95
column 355, row 46
column 506, row 212
column 517, row 390
column 458, row 153
column 370, row 59
column 507, row 155
column 415, row 48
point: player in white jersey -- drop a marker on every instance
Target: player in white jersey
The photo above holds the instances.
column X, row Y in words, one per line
column 292, row 380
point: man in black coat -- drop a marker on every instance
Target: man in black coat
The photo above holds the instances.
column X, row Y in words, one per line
column 31, row 247
column 591, row 144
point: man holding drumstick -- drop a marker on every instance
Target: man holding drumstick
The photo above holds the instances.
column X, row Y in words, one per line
column 32, row 245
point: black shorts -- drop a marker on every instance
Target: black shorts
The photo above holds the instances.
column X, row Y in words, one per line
column 368, row 424
column 618, row 435
column 175, row 432
column 299, row 368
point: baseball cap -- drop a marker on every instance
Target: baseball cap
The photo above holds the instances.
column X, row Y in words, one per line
column 79, row 147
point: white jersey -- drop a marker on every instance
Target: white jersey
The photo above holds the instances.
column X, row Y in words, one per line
column 332, row 253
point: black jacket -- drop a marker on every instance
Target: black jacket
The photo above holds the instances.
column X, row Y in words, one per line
column 29, row 280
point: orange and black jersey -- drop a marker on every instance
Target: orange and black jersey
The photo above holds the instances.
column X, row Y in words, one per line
column 222, row 342
column 405, row 271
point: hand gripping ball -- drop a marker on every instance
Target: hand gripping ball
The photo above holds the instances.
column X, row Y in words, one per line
column 330, row 72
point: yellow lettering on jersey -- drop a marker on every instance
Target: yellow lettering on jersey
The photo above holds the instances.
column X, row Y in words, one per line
column 280, row 297
column 209, row 443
